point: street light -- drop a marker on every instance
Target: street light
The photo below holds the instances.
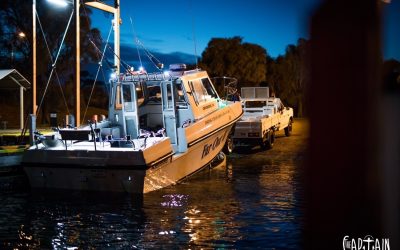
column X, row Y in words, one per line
column 61, row 3
column 65, row 3
column 114, row 10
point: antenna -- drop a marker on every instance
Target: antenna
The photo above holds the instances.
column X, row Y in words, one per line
column 194, row 33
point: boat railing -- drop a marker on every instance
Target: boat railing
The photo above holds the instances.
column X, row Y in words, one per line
column 229, row 87
column 157, row 76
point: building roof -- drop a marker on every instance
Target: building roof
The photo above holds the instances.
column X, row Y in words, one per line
column 11, row 78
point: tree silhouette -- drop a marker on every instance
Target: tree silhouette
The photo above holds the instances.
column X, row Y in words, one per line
column 15, row 17
column 231, row 57
column 288, row 75
column 391, row 76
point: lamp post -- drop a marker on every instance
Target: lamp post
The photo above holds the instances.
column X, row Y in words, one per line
column 34, row 57
column 78, row 67
column 60, row 3
column 63, row 3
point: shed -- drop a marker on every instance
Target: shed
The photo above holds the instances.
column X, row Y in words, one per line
column 12, row 79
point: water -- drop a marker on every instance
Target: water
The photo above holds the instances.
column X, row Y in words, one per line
column 255, row 201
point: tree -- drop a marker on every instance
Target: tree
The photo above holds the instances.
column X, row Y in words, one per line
column 231, row 57
column 287, row 75
column 391, row 76
column 15, row 17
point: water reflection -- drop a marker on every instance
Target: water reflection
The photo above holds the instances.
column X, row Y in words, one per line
column 252, row 202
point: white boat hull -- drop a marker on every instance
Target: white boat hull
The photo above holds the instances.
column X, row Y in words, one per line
column 185, row 164
column 96, row 171
column 127, row 159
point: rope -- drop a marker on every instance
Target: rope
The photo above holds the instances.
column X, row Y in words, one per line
column 123, row 63
column 97, row 73
column 149, row 55
column 98, row 50
column 136, row 41
column 55, row 62
column 52, row 62
column 91, row 38
column 100, row 58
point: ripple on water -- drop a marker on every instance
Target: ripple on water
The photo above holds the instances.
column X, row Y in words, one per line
column 243, row 205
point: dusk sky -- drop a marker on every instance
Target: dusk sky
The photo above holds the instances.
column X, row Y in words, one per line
column 166, row 27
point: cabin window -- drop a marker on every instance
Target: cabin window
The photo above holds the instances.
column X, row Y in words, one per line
column 180, row 96
column 139, row 93
column 200, row 92
column 209, row 87
column 118, row 99
column 170, row 104
column 127, row 94
column 111, row 99
column 192, row 91
column 154, row 93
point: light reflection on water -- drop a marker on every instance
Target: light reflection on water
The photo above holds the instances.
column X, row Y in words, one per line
column 240, row 205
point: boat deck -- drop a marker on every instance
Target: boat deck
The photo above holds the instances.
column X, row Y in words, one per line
column 133, row 145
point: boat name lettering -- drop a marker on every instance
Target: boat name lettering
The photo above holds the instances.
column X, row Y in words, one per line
column 212, row 146
column 216, row 117
column 208, row 106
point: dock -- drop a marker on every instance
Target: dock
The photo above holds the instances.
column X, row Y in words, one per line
column 13, row 137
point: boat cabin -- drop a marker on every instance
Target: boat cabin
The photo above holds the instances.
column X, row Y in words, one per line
column 160, row 103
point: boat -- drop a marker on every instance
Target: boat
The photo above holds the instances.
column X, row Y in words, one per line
column 161, row 128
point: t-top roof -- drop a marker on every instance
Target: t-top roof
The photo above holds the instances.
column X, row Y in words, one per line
column 11, row 78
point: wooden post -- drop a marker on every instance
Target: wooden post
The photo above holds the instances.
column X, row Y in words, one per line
column 117, row 20
column 78, row 67
column 34, row 57
column 21, row 107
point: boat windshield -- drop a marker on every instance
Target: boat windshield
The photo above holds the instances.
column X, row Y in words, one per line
column 154, row 93
column 203, row 90
column 209, row 87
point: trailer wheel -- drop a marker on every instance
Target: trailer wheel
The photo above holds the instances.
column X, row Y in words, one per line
column 288, row 129
column 229, row 145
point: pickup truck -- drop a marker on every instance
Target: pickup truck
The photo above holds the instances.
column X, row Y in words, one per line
column 263, row 116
